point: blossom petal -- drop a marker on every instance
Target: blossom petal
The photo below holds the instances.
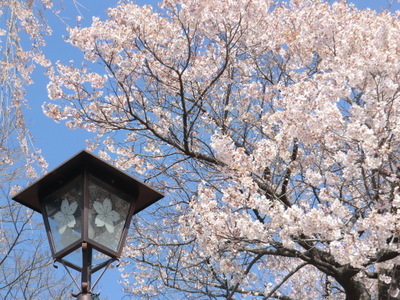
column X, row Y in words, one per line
column 70, row 221
column 72, row 208
column 59, row 217
column 99, row 221
column 98, row 207
column 107, row 205
column 64, row 206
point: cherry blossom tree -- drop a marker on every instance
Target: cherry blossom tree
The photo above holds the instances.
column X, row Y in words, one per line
column 273, row 127
column 26, row 270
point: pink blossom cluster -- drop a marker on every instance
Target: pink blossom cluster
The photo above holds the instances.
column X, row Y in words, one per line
column 274, row 126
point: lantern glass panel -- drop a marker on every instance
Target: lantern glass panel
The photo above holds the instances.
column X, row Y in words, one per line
column 63, row 210
column 108, row 211
column 99, row 258
column 75, row 259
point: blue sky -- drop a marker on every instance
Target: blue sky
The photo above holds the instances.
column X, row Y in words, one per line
column 376, row 4
column 59, row 143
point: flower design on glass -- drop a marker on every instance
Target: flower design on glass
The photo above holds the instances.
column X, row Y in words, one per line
column 106, row 215
column 65, row 217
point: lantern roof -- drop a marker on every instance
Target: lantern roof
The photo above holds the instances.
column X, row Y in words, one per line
column 84, row 160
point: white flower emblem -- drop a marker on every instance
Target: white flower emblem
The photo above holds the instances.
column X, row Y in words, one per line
column 106, row 215
column 65, row 217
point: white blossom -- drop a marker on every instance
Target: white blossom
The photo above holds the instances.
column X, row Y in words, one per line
column 65, row 217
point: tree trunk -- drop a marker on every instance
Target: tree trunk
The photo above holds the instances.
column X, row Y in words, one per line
column 355, row 290
column 390, row 291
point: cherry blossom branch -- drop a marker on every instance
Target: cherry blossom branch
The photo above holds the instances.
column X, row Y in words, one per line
column 286, row 278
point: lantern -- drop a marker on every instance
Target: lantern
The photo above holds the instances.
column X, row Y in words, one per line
column 87, row 206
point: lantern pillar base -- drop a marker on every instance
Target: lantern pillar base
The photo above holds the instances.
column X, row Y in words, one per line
column 85, row 296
